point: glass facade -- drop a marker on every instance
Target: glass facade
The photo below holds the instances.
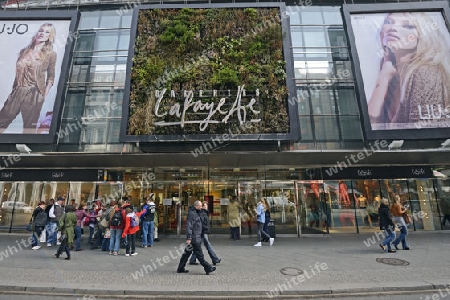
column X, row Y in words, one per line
column 329, row 119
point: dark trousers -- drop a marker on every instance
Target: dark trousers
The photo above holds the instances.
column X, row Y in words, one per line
column 446, row 217
column 131, row 243
column 235, row 233
column 64, row 246
column 197, row 249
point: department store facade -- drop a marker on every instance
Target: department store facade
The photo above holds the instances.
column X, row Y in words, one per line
column 330, row 167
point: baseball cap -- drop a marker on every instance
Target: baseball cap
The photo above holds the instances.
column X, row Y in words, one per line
column 60, row 199
column 151, row 195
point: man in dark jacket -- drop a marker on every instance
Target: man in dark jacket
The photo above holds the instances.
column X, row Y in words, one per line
column 205, row 220
column 194, row 229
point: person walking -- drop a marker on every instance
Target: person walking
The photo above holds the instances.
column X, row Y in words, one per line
column 387, row 225
column 194, row 229
column 39, row 219
column 267, row 218
column 55, row 213
column 261, row 218
column 397, row 217
column 148, row 222
column 234, row 218
column 66, row 225
column 205, row 220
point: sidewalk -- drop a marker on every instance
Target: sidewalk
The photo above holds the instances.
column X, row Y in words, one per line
column 332, row 265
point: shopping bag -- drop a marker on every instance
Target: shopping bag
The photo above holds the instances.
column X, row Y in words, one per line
column 43, row 237
column 58, row 236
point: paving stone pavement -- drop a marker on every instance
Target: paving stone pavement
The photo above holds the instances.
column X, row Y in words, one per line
column 331, row 265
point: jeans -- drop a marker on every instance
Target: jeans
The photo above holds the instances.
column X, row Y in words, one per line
column 262, row 232
column 114, row 240
column 402, row 237
column 91, row 234
column 197, row 249
column 131, row 243
column 77, row 237
column 52, row 231
column 64, row 246
column 148, row 228
column 266, row 226
column 390, row 236
column 105, row 244
column 36, row 234
column 99, row 240
column 208, row 246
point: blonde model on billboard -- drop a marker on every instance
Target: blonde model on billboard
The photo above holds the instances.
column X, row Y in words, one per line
column 414, row 77
column 35, row 74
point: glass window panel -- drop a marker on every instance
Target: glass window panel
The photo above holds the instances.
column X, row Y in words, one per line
column 315, row 37
column 126, row 18
column 80, row 73
column 322, row 101
column 351, row 127
column 299, row 66
column 342, row 70
column 326, row 128
column 347, row 102
column 296, row 37
column 95, row 132
column 109, row 19
column 303, row 101
column 121, row 74
column 114, row 131
column 74, row 104
column 117, row 100
column 107, row 40
column 124, row 42
column 332, row 17
column 305, row 128
column 319, row 70
column 102, row 73
column 70, row 132
column 311, row 17
column 89, row 20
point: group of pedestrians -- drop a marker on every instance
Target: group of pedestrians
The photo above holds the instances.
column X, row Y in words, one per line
column 56, row 224
column 390, row 218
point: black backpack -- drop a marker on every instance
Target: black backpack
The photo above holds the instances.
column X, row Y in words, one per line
column 116, row 219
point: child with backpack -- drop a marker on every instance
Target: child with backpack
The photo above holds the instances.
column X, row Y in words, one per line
column 131, row 227
column 116, row 226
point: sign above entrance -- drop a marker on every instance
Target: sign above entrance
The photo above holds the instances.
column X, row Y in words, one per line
column 390, row 172
column 49, row 175
column 197, row 72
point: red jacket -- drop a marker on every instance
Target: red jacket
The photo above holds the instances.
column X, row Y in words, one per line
column 128, row 229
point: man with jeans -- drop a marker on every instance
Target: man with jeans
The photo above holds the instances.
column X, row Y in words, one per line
column 148, row 222
column 55, row 213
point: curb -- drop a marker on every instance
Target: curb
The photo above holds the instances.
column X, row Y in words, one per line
column 185, row 295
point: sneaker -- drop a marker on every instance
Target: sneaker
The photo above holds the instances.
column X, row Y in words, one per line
column 110, row 253
column 134, row 254
column 271, row 240
column 144, row 246
column 58, row 243
column 383, row 247
column 36, row 247
column 115, row 253
column 49, row 245
column 127, row 254
column 258, row 244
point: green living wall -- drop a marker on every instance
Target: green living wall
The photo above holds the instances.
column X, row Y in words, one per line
column 204, row 50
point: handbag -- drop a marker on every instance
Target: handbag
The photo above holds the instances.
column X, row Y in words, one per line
column 43, row 237
column 30, row 226
column 406, row 218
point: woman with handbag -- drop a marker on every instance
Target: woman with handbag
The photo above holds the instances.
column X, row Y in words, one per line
column 39, row 221
column 66, row 226
column 398, row 216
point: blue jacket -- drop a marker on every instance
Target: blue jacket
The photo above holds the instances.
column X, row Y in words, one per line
column 260, row 211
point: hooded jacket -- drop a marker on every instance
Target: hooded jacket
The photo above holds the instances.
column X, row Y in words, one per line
column 127, row 229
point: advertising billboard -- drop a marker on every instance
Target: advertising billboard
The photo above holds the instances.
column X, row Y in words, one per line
column 34, row 51
column 197, row 71
column 400, row 54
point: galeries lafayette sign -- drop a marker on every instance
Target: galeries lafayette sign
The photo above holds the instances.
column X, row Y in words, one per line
column 220, row 110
